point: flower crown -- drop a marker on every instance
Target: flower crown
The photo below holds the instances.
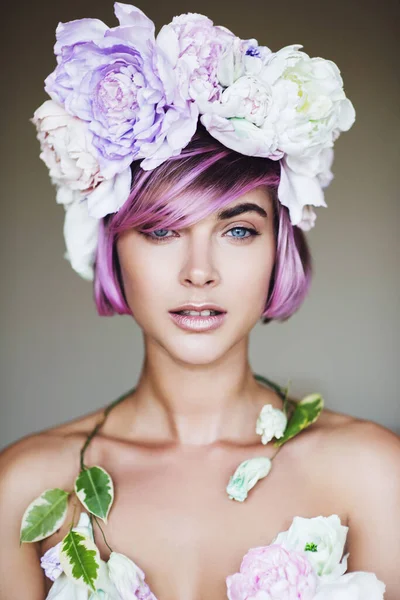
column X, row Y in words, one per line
column 121, row 94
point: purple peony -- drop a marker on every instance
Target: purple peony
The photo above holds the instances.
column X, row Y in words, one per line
column 122, row 84
column 273, row 573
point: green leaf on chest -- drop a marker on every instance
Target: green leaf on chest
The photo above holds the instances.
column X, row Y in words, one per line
column 95, row 489
column 44, row 516
column 305, row 413
column 80, row 559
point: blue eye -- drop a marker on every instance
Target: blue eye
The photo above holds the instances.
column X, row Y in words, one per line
column 243, row 229
column 160, row 238
column 163, row 236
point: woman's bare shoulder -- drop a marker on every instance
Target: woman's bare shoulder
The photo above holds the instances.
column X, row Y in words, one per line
column 350, row 448
column 43, row 460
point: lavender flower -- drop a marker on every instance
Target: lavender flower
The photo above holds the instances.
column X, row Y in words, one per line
column 50, row 562
column 120, row 83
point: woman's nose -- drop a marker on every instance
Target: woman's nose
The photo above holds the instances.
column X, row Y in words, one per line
column 199, row 266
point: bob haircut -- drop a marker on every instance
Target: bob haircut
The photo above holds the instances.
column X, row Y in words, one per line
column 186, row 188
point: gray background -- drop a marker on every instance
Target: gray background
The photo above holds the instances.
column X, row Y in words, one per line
column 60, row 360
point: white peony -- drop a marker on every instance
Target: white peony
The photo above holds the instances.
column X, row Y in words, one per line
column 359, row 585
column 81, row 232
column 323, row 538
column 65, row 588
column 247, row 98
column 128, row 578
column 243, row 136
column 240, row 57
column 301, row 184
column 66, row 148
column 271, row 423
column 311, row 92
column 68, row 152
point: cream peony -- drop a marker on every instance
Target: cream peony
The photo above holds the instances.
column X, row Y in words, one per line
column 310, row 90
column 68, row 152
column 128, row 578
column 81, row 232
column 359, row 585
column 323, row 539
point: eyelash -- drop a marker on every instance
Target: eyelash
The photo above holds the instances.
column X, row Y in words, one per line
column 253, row 232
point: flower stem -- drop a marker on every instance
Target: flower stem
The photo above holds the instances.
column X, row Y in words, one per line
column 100, row 424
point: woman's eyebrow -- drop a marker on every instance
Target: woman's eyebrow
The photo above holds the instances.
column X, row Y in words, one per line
column 228, row 213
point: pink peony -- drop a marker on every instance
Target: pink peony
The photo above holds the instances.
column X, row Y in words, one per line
column 273, row 573
column 194, row 45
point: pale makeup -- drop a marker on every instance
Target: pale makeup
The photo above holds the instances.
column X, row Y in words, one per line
column 213, row 260
column 197, row 387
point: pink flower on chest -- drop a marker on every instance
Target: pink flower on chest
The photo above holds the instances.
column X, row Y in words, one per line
column 273, row 573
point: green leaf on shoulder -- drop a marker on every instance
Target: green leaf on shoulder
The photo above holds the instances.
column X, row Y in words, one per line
column 44, row 516
column 95, row 489
column 80, row 559
column 305, row 413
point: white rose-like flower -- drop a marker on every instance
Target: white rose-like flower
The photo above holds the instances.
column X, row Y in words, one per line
column 66, row 148
column 301, row 184
column 316, row 107
column 323, row 538
column 359, row 585
column 247, row 98
column 81, row 233
column 271, row 423
column 128, row 578
column 240, row 57
column 246, row 476
column 65, row 588
column 68, row 152
column 244, row 118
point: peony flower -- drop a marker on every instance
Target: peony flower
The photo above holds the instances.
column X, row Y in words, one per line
column 299, row 189
column 359, row 585
column 241, row 57
column 50, row 562
column 242, row 135
column 271, row 423
column 246, row 476
column 81, row 232
column 120, row 82
column 128, row 578
column 68, row 152
column 66, row 589
column 194, row 47
column 323, row 538
column 272, row 572
column 247, row 98
column 311, row 91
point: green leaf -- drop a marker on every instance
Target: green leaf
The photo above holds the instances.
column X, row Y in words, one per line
column 305, row 413
column 94, row 488
column 44, row 515
column 80, row 559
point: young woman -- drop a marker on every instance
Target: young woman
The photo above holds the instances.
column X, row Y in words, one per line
column 204, row 229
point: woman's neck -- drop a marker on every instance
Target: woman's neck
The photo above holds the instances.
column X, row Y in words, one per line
column 200, row 404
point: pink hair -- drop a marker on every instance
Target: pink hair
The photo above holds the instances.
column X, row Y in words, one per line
column 205, row 177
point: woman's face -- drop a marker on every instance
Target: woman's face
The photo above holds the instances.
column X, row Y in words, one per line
column 216, row 260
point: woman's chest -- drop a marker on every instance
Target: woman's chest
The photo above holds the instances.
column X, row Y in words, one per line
column 173, row 517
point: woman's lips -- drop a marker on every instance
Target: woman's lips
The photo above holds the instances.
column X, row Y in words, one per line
column 197, row 322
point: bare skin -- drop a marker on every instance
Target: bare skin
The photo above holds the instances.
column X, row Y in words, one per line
column 171, row 446
column 171, row 514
